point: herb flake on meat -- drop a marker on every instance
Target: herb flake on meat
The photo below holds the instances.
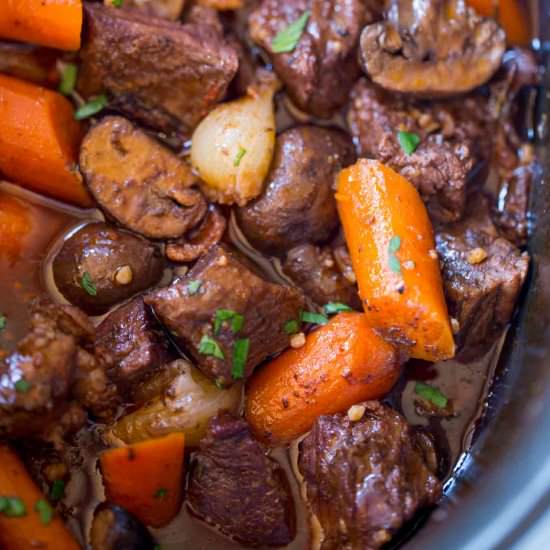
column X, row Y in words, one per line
column 88, row 284
column 287, row 39
column 291, row 327
column 3, row 321
column 193, row 287
column 22, row 386
column 57, row 491
column 209, row 346
column 91, row 108
column 68, row 79
column 408, row 141
column 237, row 320
column 240, row 355
column 239, row 156
column 431, row 394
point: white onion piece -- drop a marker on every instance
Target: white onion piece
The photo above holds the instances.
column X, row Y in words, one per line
column 233, row 146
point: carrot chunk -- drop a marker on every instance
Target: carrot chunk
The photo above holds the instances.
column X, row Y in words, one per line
column 146, row 478
column 39, row 141
column 391, row 243
column 26, row 518
column 53, row 23
column 341, row 363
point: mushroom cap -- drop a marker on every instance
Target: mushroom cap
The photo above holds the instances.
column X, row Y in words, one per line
column 431, row 48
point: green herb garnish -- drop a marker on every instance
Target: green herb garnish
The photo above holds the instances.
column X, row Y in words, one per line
column 240, row 355
column 161, row 493
column 68, row 79
column 209, row 346
column 45, row 511
column 91, row 108
column 237, row 320
column 87, row 284
column 238, row 157
column 193, row 287
column 22, row 386
column 408, row 141
column 3, row 321
column 314, row 318
column 291, row 327
column 394, row 263
column 57, row 491
column 287, row 39
column 395, row 244
column 335, row 307
column 13, row 507
column 117, row 3
column 431, row 394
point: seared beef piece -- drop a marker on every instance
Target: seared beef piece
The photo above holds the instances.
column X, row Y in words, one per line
column 235, row 487
column 440, row 165
column 114, row 528
column 316, row 271
column 118, row 265
column 167, row 9
column 226, row 284
column 37, row 379
column 298, row 205
column 364, row 479
column 482, row 272
column 132, row 342
column 137, row 181
column 142, row 61
column 319, row 72
column 431, row 48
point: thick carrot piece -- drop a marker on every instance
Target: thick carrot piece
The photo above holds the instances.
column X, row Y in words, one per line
column 39, row 141
column 146, row 478
column 53, row 23
column 391, row 243
column 28, row 529
column 15, row 225
column 341, row 363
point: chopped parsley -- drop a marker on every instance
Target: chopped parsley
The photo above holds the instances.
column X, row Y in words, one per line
column 68, row 79
column 314, row 318
column 335, row 307
column 3, row 321
column 91, row 108
column 431, row 394
column 239, row 156
column 12, row 507
column 87, row 284
column 408, row 142
column 237, row 320
column 22, row 386
column 161, row 493
column 117, row 3
column 45, row 511
column 292, row 326
column 193, row 287
column 287, row 39
column 240, row 355
column 57, row 491
column 209, row 346
column 393, row 246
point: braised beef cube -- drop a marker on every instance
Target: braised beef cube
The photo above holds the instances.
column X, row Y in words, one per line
column 482, row 272
column 132, row 341
column 319, row 72
column 316, row 271
column 221, row 290
column 365, row 478
column 440, row 165
column 235, row 487
column 298, row 205
column 163, row 74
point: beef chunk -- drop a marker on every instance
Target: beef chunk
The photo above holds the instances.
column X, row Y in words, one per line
column 235, row 487
column 431, row 48
column 141, row 61
column 440, row 165
column 319, row 72
column 365, row 478
column 132, row 342
column 298, row 203
column 226, row 284
column 316, row 271
column 483, row 274
column 140, row 183
column 118, row 265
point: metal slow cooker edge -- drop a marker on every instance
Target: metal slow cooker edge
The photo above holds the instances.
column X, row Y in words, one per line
column 502, row 489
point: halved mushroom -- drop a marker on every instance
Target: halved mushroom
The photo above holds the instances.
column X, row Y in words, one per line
column 431, row 48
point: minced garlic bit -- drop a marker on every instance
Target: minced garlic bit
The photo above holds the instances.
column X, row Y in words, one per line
column 455, row 325
column 124, row 275
column 222, row 261
column 476, row 256
column 409, row 264
column 356, row 412
column 297, row 340
column 432, row 253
